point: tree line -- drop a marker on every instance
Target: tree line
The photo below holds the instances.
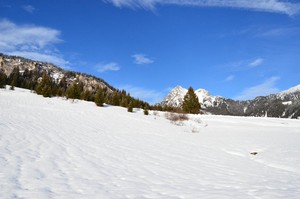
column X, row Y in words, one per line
column 43, row 84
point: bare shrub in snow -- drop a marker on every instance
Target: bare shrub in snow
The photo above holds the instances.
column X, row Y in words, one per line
column 73, row 101
column 155, row 113
column 197, row 120
column 195, row 129
column 176, row 118
column 195, row 124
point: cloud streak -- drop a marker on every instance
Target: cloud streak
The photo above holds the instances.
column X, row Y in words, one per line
column 107, row 67
column 142, row 59
column 244, row 65
column 30, row 41
column 29, row 8
column 229, row 78
column 256, row 62
column 273, row 6
column 279, row 32
column 265, row 88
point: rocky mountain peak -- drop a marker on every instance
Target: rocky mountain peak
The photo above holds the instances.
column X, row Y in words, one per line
column 202, row 91
column 178, row 89
column 175, row 97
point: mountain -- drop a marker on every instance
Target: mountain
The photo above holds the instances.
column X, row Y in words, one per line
column 175, row 97
column 8, row 63
column 285, row 104
column 49, row 80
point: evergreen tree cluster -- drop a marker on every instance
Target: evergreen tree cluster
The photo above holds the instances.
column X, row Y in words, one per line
column 43, row 84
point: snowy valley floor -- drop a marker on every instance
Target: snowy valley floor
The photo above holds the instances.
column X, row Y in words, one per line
column 53, row 148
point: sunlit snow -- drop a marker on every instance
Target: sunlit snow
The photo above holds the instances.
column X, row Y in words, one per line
column 57, row 148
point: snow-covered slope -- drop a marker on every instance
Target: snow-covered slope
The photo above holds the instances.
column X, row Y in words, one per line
column 290, row 91
column 54, row 148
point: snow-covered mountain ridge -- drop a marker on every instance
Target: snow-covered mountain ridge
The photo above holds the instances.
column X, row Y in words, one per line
column 283, row 104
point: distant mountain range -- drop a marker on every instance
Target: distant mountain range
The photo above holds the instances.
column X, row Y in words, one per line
column 285, row 104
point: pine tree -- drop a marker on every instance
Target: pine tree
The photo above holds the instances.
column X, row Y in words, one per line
column 63, row 83
column 130, row 108
column 44, row 87
column 99, row 97
column 74, row 91
column 191, row 103
column 26, row 73
column 116, row 98
column 87, row 96
column 2, row 79
column 146, row 112
column 46, row 92
column 60, row 92
column 15, row 77
column 124, row 101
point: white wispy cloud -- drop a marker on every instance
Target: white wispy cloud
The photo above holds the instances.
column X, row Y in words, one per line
column 29, row 8
column 29, row 36
column 274, row 6
column 31, row 41
column 278, row 32
column 256, row 62
column 265, row 88
column 229, row 78
column 142, row 59
column 243, row 65
column 107, row 67
column 149, row 95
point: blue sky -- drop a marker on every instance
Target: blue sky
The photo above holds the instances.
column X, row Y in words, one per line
column 236, row 49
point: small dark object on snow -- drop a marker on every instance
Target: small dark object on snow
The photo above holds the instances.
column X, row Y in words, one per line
column 253, row 153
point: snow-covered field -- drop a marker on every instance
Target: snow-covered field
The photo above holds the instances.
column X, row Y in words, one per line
column 53, row 148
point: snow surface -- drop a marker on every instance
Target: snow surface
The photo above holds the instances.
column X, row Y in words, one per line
column 54, row 148
column 287, row 103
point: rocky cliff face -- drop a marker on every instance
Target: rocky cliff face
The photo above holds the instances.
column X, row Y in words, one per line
column 8, row 63
column 285, row 104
